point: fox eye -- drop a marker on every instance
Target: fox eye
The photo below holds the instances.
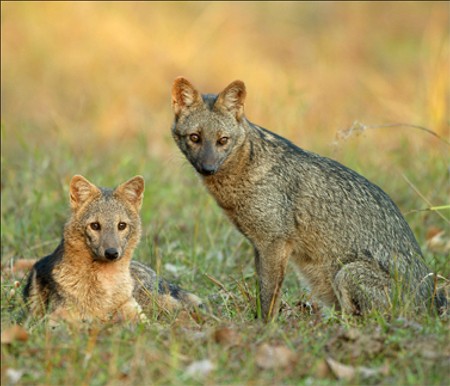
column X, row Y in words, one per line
column 95, row 226
column 223, row 141
column 121, row 226
column 194, row 138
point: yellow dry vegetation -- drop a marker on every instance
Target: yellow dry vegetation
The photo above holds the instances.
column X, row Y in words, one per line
column 311, row 68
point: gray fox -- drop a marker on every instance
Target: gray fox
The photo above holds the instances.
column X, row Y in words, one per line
column 347, row 238
column 90, row 276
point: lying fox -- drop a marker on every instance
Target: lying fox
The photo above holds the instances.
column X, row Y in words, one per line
column 91, row 275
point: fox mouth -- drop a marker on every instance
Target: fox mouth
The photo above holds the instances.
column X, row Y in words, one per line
column 207, row 170
column 109, row 255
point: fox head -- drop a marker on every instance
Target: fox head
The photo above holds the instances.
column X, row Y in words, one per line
column 208, row 127
column 105, row 222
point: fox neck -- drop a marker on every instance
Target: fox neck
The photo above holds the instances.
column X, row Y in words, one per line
column 235, row 171
column 101, row 285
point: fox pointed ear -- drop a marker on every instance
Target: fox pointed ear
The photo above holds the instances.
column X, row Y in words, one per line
column 232, row 99
column 132, row 191
column 80, row 191
column 184, row 95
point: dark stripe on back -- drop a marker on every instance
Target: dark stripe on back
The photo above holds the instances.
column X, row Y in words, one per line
column 165, row 287
column 44, row 271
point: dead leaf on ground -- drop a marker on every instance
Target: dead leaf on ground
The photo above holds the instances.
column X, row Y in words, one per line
column 14, row 333
column 14, row 375
column 433, row 231
column 19, row 268
column 431, row 348
column 355, row 345
column 437, row 241
column 348, row 373
column 200, row 369
column 23, row 265
column 271, row 357
column 227, row 337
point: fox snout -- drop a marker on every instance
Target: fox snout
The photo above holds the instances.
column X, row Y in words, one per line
column 112, row 254
column 109, row 253
column 209, row 160
column 207, row 169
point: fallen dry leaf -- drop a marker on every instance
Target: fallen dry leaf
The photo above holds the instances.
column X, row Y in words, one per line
column 200, row 369
column 14, row 375
column 19, row 268
column 23, row 265
column 348, row 373
column 433, row 231
column 14, row 333
column 353, row 334
column 437, row 241
column 227, row 337
column 353, row 344
column 270, row 357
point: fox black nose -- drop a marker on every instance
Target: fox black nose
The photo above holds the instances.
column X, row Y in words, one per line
column 111, row 253
column 208, row 170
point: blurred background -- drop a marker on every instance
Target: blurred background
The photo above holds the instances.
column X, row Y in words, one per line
column 85, row 89
column 104, row 70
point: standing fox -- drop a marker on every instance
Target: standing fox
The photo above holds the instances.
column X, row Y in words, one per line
column 345, row 235
column 90, row 275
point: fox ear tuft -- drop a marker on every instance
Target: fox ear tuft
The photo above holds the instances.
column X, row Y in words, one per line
column 184, row 95
column 232, row 99
column 80, row 191
column 133, row 191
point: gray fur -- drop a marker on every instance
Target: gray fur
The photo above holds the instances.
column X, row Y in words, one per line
column 345, row 235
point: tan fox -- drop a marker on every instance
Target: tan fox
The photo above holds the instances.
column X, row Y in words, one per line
column 345, row 235
column 90, row 275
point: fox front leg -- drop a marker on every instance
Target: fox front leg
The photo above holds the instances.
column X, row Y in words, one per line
column 271, row 261
column 132, row 312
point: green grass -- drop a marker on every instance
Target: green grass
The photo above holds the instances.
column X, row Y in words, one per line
column 183, row 227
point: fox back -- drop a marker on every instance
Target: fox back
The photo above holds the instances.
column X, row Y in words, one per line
column 345, row 235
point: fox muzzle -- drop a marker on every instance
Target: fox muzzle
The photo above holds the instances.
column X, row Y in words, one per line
column 112, row 254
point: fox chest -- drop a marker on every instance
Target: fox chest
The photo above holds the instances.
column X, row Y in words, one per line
column 95, row 293
column 258, row 215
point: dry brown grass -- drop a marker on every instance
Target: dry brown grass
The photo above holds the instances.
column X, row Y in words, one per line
column 310, row 68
